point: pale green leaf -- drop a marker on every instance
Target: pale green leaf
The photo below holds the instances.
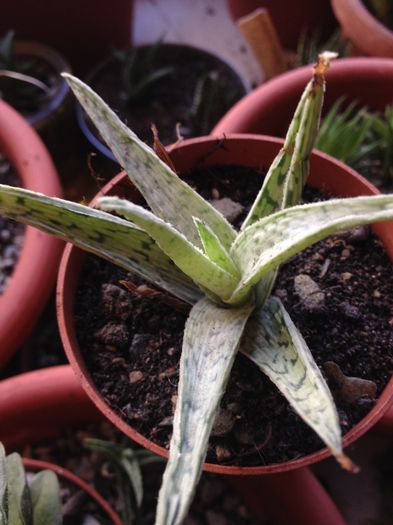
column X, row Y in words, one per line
column 166, row 194
column 210, row 343
column 274, row 239
column 100, row 233
column 274, row 344
column 18, row 497
column 3, row 487
column 189, row 258
column 213, row 248
column 45, row 498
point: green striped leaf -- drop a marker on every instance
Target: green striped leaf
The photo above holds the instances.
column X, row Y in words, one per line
column 277, row 348
column 45, row 498
column 273, row 240
column 105, row 235
column 166, row 194
column 210, row 343
column 18, row 497
column 3, row 487
column 189, row 258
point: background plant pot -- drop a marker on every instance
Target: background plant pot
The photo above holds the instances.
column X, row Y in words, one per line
column 166, row 102
column 368, row 35
column 290, row 18
column 253, row 151
column 34, row 465
column 35, row 272
column 269, row 108
column 83, row 32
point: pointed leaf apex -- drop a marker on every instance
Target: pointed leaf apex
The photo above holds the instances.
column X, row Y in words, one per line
column 347, row 464
column 324, row 60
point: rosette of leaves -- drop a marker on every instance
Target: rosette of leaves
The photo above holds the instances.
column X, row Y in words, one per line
column 36, row 502
column 185, row 246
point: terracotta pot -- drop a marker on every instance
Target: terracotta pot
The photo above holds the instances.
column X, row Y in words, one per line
column 368, row 35
column 290, row 18
column 248, row 150
column 35, row 272
column 269, row 108
column 34, row 465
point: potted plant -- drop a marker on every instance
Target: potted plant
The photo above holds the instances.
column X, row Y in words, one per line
column 32, row 279
column 370, row 34
column 217, row 273
column 164, row 84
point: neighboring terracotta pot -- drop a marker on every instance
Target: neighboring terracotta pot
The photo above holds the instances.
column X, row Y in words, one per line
column 290, row 18
column 32, row 280
column 368, row 35
column 253, row 151
column 385, row 424
column 35, row 465
column 269, row 108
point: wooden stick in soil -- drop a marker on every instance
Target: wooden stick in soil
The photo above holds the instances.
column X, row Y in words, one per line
column 259, row 31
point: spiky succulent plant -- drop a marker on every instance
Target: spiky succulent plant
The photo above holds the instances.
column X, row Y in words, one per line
column 27, row 503
column 186, row 247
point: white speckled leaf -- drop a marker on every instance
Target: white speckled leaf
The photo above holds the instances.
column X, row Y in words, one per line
column 110, row 237
column 45, row 499
column 214, row 249
column 274, row 344
column 167, row 195
column 210, row 343
column 18, row 499
column 3, row 487
column 189, row 258
column 273, row 240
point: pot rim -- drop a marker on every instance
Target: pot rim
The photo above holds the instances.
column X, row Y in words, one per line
column 73, row 256
column 24, row 297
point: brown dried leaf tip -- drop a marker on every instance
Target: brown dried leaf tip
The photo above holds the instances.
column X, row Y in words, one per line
column 323, row 63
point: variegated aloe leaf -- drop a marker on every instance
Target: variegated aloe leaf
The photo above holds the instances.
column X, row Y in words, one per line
column 274, row 239
column 188, row 257
column 18, row 497
column 274, row 344
column 103, row 234
column 3, row 487
column 210, row 343
column 45, row 499
column 167, row 195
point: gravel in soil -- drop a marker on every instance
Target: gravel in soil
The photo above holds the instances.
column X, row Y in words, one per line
column 132, row 344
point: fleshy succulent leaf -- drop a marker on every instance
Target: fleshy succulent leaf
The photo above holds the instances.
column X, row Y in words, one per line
column 110, row 237
column 166, row 194
column 3, row 487
column 18, row 497
column 45, row 498
column 210, row 343
column 188, row 257
column 274, row 344
column 274, row 239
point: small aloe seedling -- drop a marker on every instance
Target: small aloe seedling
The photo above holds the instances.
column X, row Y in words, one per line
column 27, row 503
column 185, row 246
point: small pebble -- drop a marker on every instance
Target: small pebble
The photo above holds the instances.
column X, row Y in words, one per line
column 135, row 376
column 309, row 292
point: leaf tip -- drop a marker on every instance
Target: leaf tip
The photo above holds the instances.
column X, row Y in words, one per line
column 324, row 60
column 347, row 464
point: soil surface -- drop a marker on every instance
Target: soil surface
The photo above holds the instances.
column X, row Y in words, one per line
column 11, row 232
column 171, row 99
column 132, row 344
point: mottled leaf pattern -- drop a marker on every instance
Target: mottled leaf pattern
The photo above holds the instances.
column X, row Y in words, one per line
column 189, row 258
column 167, row 195
column 45, row 499
column 18, row 497
column 274, row 239
column 3, row 487
column 273, row 343
column 100, row 233
column 210, row 343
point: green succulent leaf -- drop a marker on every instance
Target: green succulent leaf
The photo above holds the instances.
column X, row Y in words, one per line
column 45, row 498
column 210, row 343
column 105, row 235
column 273, row 240
column 166, row 194
column 18, row 497
column 189, row 258
column 3, row 487
column 274, row 344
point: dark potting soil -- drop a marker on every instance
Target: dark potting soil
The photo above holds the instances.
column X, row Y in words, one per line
column 171, row 99
column 11, row 232
column 132, row 344
column 215, row 503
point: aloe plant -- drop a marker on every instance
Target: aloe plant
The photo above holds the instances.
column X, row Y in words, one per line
column 21, row 503
column 184, row 245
